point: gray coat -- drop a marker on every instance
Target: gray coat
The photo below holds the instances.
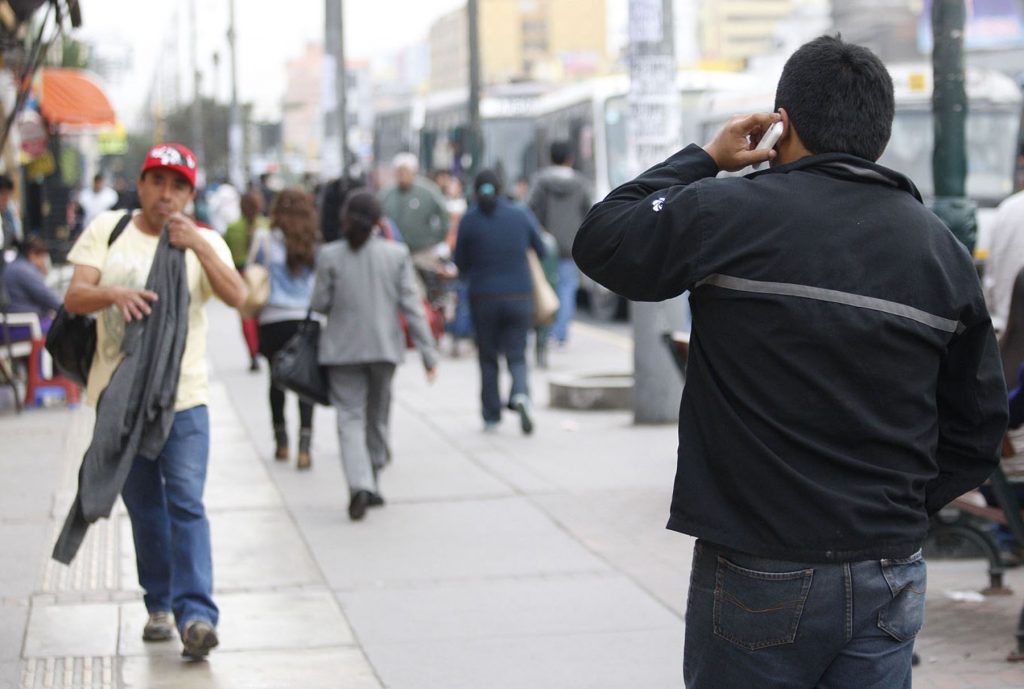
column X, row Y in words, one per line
column 361, row 293
column 135, row 412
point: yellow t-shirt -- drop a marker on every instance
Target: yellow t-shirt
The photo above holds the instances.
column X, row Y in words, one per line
column 126, row 264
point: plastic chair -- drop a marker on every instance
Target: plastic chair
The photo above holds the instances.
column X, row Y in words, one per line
column 39, row 387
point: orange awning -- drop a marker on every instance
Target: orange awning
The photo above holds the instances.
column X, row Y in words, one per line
column 69, row 97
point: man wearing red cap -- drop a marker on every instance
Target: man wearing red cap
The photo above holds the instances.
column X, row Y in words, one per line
column 163, row 497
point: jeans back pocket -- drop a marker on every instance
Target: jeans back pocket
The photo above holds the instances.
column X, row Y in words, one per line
column 758, row 609
column 903, row 617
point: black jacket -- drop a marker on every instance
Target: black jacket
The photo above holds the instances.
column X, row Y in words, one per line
column 843, row 379
column 135, row 412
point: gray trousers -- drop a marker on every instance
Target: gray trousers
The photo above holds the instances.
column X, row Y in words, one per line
column 361, row 395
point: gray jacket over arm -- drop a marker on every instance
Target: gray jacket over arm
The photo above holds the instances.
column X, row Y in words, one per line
column 361, row 293
column 136, row 410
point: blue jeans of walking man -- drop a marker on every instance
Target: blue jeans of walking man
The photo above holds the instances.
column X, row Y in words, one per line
column 754, row 622
column 568, row 284
column 502, row 325
column 164, row 498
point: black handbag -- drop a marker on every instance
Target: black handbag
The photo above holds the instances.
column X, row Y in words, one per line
column 296, row 366
column 71, row 340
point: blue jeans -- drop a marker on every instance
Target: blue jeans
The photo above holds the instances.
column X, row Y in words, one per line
column 164, row 498
column 770, row 624
column 501, row 325
column 568, row 284
column 462, row 323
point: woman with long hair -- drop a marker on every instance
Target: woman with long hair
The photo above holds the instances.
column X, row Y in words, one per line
column 289, row 251
column 362, row 282
column 490, row 253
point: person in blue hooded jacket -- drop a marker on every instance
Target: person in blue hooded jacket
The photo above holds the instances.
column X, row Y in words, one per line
column 490, row 253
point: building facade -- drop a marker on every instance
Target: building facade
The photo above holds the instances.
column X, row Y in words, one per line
column 519, row 40
column 739, row 30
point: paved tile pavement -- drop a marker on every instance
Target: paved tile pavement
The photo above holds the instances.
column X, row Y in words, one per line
column 500, row 562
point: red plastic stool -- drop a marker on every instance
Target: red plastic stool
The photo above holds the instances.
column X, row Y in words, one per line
column 37, row 387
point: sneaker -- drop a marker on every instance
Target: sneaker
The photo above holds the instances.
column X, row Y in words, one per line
column 159, row 627
column 491, row 426
column 521, row 403
column 198, row 637
column 375, row 500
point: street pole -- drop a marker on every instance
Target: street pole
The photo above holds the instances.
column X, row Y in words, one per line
column 654, row 134
column 337, row 112
column 236, row 171
column 475, row 147
column 949, row 105
column 197, row 104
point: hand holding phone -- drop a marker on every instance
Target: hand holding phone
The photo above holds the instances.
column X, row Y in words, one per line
column 770, row 138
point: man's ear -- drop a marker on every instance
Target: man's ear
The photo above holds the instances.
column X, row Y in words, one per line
column 787, row 125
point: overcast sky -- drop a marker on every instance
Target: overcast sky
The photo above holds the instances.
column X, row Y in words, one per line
column 270, row 32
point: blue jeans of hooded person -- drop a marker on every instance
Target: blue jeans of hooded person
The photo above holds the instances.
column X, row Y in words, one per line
column 501, row 325
column 568, row 284
column 164, row 498
column 754, row 622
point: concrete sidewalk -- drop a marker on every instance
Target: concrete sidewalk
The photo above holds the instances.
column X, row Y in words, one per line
column 499, row 562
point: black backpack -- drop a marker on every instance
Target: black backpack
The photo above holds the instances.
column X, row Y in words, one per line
column 71, row 340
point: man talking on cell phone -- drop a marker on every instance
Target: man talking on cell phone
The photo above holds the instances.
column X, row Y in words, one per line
column 843, row 381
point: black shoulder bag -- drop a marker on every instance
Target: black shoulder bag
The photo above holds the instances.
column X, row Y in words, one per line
column 296, row 366
column 71, row 340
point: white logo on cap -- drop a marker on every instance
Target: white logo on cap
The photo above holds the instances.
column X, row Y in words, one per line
column 168, row 155
column 658, row 204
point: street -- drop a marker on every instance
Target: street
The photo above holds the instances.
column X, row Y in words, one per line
column 499, row 562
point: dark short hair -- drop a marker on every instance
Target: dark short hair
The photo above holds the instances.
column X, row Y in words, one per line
column 560, row 152
column 98, row 177
column 6, row 183
column 839, row 97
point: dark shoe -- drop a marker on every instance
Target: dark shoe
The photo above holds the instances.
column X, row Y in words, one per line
column 198, row 637
column 305, row 440
column 159, row 627
column 358, row 504
column 254, row 365
column 281, row 441
column 375, row 500
column 521, row 403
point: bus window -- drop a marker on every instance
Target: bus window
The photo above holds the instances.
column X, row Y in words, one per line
column 616, row 117
column 991, row 152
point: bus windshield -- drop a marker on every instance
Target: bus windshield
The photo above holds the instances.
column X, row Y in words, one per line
column 991, row 151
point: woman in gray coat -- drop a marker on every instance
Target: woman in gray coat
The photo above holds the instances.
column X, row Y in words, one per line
column 361, row 283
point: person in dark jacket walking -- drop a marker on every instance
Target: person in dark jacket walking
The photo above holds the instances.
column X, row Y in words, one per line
column 560, row 199
column 491, row 255
column 843, row 382
column 163, row 490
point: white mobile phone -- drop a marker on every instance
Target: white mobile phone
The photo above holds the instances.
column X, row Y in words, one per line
column 770, row 138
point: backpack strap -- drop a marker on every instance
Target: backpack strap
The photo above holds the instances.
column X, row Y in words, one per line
column 119, row 228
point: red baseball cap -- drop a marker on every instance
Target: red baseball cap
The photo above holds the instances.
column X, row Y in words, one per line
column 173, row 157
